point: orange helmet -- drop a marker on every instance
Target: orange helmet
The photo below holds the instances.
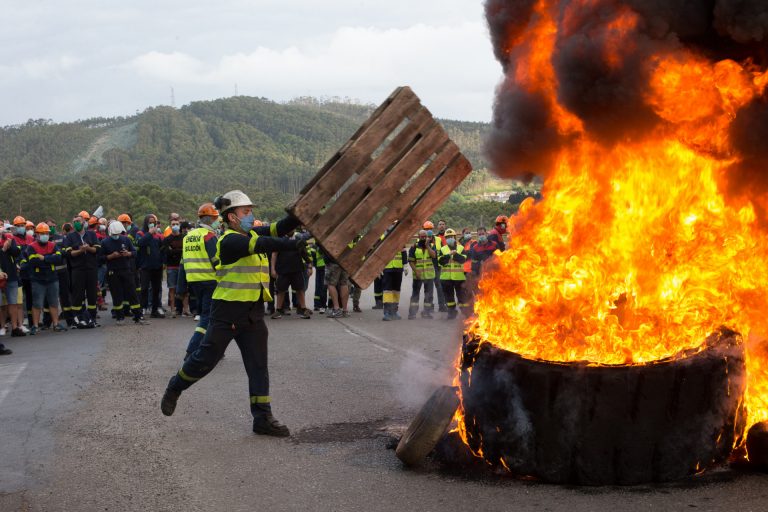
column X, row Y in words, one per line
column 257, row 223
column 84, row 214
column 501, row 218
column 207, row 210
column 30, row 224
column 42, row 228
column 92, row 221
column 124, row 217
column 19, row 221
column 428, row 225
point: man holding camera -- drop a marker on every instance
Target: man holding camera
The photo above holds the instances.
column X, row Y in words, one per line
column 420, row 258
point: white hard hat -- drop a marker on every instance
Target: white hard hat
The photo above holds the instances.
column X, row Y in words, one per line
column 116, row 228
column 232, row 199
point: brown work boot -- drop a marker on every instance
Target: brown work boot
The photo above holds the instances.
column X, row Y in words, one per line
column 267, row 425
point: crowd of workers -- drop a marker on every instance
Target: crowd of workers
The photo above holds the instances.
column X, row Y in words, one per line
column 58, row 278
column 225, row 268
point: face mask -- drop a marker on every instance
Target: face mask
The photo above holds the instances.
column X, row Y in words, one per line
column 115, row 237
column 215, row 224
column 21, row 231
column 451, row 241
column 246, row 223
column 175, row 228
column 53, row 230
column 430, row 233
column 467, row 237
column 78, row 225
column 127, row 227
column 503, row 226
column 102, row 227
column 151, row 225
column 43, row 239
column 30, row 232
column 483, row 239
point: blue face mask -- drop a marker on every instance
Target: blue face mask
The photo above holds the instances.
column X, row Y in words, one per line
column 43, row 239
column 246, row 223
column 450, row 241
column 175, row 228
column 21, row 231
column 430, row 233
column 115, row 237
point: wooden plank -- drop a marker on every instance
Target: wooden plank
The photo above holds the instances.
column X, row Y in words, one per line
column 387, row 189
column 357, row 191
column 400, row 205
column 356, row 157
column 439, row 192
column 375, row 115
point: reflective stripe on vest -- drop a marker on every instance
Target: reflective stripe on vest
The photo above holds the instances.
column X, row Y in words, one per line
column 245, row 280
column 197, row 264
column 424, row 263
column 453, row 271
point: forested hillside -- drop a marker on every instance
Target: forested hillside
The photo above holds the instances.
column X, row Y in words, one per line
column 171, row 159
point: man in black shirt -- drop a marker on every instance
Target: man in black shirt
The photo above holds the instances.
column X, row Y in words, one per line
column 83, row 246
column 288, row 269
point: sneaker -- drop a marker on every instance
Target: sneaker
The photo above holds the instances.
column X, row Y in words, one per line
column 17, row 333
column 140, row 321
column 5, row 351
column 267, row 425
column 197, row 317
column 277, row 315
column 321, row 311
column 286, row 311
column 305, row 314
column 157, row 314
column 345, row 314
column 2, row 331
column 168, row 402
column 25, row 329
column 173, row 315
column 33, row 330
column 335, row 313
column 161, row 311
column 357, row 309
column 59, row 328
column 186, row 314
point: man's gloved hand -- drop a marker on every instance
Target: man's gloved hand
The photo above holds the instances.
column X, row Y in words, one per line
column 301, row 246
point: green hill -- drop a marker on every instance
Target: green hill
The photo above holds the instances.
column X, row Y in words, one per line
column 169, row 159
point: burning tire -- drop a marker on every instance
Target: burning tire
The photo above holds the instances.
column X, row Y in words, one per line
column 428, row 426
column 605, row 424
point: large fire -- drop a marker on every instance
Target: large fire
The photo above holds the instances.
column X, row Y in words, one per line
column 635, row 253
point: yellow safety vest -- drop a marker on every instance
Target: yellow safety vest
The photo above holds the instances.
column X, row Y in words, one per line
column 453, row 271
column 423, row 263
column 197, row 265
column 245, row 280
column 396, row 262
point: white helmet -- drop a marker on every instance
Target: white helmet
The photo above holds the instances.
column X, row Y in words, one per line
column 231, row 199
column 116, row 228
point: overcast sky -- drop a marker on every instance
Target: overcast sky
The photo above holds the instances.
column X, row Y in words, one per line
column 75, row 59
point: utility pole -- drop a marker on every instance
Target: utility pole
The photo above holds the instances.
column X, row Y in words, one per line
column 173, row 99
column 236, row 90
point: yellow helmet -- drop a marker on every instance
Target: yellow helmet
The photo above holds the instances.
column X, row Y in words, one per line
column 450, row 232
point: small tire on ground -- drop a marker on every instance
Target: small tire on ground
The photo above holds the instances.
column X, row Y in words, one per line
column 757, row 446
column 428, row 426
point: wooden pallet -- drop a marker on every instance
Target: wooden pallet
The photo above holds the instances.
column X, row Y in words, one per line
column 399, row 165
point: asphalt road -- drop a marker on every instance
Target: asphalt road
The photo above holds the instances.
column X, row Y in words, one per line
column 82, row 429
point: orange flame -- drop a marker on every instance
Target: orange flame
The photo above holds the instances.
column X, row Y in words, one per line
column 634, row 254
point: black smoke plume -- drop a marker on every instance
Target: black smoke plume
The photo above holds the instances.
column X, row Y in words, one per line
column 610, row 98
